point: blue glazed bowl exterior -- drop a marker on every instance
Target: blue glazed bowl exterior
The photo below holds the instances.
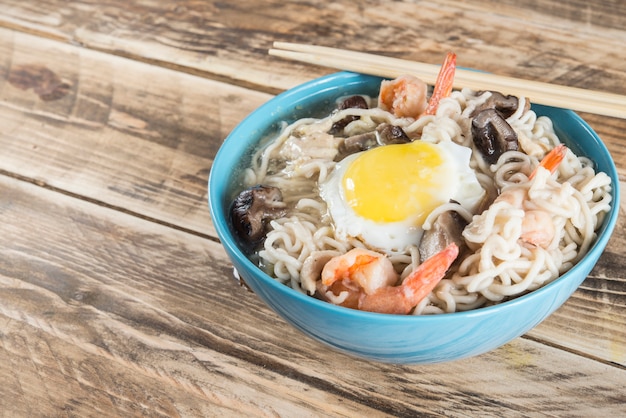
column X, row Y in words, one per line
column 392, row 338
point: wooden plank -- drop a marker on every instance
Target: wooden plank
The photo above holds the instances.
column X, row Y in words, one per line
column 121, row 124
column 138, row 140
column 226, row 40
column 608, row 14
column 94, row 319
column 230, row 39
column 107, row 313
column 123, row 133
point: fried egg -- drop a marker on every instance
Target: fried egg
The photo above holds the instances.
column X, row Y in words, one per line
column 383, row 195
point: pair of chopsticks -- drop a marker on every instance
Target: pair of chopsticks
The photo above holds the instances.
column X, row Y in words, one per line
column 583, row 100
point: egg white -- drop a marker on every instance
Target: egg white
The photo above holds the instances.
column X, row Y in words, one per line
column 459, row 183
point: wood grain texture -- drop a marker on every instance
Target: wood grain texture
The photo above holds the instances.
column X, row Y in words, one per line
column 124, row 328
column 607, row 14
column 230, row 39
column 141, row 139
column 127, row 134
column 116, row 298
column 135, row 137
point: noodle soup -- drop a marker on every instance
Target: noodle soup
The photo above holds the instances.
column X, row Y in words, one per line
column 517, row 233
column 406, row 339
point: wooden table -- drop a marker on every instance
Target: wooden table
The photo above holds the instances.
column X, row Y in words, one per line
column 116, row 298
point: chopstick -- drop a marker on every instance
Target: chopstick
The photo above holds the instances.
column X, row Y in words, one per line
column 583, row 100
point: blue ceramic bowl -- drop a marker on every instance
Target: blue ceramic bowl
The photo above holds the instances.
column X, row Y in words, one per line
column 392, row 338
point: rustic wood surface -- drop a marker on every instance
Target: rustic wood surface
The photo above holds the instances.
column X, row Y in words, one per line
column 116, row 298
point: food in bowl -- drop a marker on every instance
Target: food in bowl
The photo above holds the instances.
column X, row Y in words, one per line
column 404, row 339
column 409, row 204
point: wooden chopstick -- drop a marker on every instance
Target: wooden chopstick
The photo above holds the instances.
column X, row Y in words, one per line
column 578, row 99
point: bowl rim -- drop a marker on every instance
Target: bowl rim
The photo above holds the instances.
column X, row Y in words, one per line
column 332, row 81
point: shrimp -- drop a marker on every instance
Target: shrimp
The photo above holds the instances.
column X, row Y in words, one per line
column 359, row 270
column 444, row 83
column 368, row 281
column 406, row 96
column 537, row 228
column 552, row 160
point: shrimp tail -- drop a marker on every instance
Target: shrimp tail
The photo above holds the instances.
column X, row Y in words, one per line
column 552, row 160
column 443, row 84
column 403, row 298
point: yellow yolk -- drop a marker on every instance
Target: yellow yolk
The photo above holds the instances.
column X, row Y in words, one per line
column 397, row 182
column 383, row 195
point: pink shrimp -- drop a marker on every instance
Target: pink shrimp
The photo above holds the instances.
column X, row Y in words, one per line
column 406, row 95
column 537, row 226
column 369, row 281
column 552, row 160
column 444, row 83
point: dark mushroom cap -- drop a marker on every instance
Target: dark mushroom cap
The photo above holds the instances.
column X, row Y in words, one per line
column 493, row 135
column 391, row 134
column 352, row 102
column 385, row 134
column 447, row 228
column 506, row 105
column 356, row 143
column 253, row 208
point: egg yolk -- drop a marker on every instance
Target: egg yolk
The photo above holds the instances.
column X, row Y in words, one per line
column 396, row 182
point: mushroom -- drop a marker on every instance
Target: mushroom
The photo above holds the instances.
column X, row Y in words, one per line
column 253, row 208
column 493, row 135
column 447, row 228
column 506, row 105
column 352, row 102
column 356, row 143
column 391, row 134
column 385, row 134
